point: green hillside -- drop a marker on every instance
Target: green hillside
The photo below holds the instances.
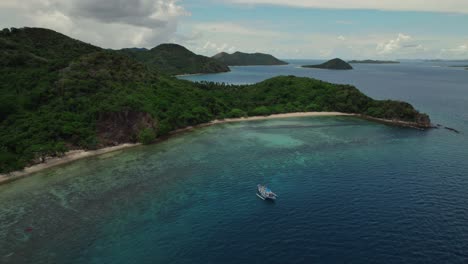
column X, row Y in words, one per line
column 38, row 46
column 246, row 59
column 174, row 59
column 55, row 99
column 334, row 64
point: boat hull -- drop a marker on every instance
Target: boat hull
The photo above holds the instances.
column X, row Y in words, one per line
column 265, row 194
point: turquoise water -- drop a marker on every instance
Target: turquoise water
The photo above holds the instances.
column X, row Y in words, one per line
column 349, row 190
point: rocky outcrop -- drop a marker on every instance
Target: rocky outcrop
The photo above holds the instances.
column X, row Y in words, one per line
column 452, row 129
column 422, row 121
column 114, row 128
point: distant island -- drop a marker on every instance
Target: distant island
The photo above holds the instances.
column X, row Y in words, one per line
column 373, row 62
column 60, row 94
column 440, row 60
column 247, row 59
column 334, row 64
column 174, row 59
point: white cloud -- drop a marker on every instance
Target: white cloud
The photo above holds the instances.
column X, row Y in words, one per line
column 393, row 45
column 229, row 37
column 461, row 50
column 106, row 23
column 448, row 6
column 234, row 28
column 325, row 53
column 214, row 47
column 147, row 23
column 216, row 37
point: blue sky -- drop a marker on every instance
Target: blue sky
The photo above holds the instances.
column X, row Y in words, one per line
column 351, row 29
column 308, row 32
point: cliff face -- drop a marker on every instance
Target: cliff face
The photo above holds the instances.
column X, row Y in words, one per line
column 423, row 121
column 114, row 128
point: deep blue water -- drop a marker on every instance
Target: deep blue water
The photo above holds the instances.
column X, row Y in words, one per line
column 350, row 191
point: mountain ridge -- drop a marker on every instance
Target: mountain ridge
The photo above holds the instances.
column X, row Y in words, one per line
column 247, row 59
column 175, row 59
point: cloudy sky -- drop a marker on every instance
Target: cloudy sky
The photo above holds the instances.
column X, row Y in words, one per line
column 351, row 29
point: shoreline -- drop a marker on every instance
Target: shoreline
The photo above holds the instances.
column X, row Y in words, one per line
column 398, row 123
column 196, row 74
column 188, row 74
column 68, row 157
column 74, row 155
column 253, row 118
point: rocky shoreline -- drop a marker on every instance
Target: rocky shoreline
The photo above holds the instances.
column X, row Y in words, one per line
column 399, row 123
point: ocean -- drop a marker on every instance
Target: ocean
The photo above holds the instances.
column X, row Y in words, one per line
column 349, row 190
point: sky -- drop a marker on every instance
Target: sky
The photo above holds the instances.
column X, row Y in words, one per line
column 291, row 29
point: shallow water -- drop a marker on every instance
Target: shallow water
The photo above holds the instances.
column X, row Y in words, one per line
column 348, row 190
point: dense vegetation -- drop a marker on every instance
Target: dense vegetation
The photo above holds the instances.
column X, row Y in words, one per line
column 334, row 64
column 58, row 94
column 246, row 59
column 174, row 59
column 374, row 61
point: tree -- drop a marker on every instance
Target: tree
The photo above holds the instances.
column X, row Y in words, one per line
column 261, row 111
column 146, row 136
column 236, row 112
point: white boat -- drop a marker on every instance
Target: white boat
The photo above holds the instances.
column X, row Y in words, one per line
column 265, row 193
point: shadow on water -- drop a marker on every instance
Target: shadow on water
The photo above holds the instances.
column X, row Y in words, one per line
column 267, row 202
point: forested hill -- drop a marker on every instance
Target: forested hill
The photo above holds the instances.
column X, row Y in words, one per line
column 57, row 94
column 28, row 47
column 174, row 59
column 334, row 64
column 246, row 59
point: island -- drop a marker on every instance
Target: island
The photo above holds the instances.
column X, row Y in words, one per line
column 60, row 94
column 334, row 64
column 440, row 60
column 373, row 62
column 174, row 59
column 247, row 59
